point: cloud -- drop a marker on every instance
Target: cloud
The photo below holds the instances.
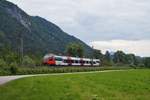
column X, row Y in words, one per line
column 139, row 47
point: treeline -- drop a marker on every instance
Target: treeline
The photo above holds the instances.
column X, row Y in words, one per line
column 12, row 64
column 9, row 58
column 120, row 58
column 11, row 61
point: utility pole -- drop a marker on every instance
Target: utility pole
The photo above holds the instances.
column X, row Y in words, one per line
column 21, row 49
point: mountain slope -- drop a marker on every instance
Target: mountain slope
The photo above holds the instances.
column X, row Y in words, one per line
column 40, row 36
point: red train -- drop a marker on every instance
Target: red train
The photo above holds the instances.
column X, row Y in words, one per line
column 51, row 59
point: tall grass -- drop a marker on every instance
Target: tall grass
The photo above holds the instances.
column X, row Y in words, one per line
column 57, row 69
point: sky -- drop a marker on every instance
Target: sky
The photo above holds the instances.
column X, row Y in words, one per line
column 105, row 24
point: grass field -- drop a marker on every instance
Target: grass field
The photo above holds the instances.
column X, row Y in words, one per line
column 121, row 85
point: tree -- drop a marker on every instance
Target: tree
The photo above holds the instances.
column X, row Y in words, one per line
column 119, row 57
column 2, row 63
column 80, row 50
column 75, row 49
column 147, row 62
column 97, row 54
column 107, row 59
column 107, row 56
column 8, row 55
column 28, row 61
column 130, row 59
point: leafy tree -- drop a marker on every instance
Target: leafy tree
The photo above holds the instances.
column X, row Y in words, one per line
column 107, row 59
column 131, row 59
column 139, row 61
column 80, row 50
column 147, row 62
column 75, row 49
column 8, row 55
column 119, row 57
column 97, row 54
column 107, row 56
column 2, row 63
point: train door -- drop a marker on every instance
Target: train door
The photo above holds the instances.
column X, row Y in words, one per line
column 82, row 62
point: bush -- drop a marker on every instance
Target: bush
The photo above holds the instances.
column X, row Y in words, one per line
column 13, row 69
column 27, row 61
column 133, row 66
column 2, row 63
column 147, row 62
column 13, row 64
column 141, row 65
column 45, row 70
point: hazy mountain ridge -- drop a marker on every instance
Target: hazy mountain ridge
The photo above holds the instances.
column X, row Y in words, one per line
column 40, row 36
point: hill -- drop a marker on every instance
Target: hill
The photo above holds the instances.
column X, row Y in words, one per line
column 40, row 36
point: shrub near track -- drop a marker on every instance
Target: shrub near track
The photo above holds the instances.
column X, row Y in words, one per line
column 57, row 69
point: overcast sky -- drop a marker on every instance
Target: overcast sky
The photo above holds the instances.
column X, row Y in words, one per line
column 106, row 24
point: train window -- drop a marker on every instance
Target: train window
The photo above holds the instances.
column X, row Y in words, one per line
column 65, row 61
column 68, row 61
column 58, row 59
column 76, row 61
column 93, row 62
column 90, row 62
column 97, row 61
column 81, row 61
column 87, row 62
column 72, row 61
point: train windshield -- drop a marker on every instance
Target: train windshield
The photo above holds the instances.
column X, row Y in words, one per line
column 58, row 59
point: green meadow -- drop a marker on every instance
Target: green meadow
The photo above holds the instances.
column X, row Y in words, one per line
column 117, row 85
